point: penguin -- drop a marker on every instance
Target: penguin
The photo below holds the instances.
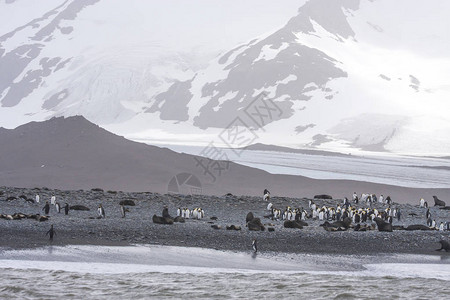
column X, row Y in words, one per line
column 441, row 226
column 100, row 211
column 53, row 200
column 66, row 209
column 269, row 206
column 254, row 246
column 428, row 214
column 122, row 211
column 266, row 191
column 51, row 232
column 433, row 224
column 37, row 198
column 422, row 203
column 46, row 208
column 58, row 207
column 179, row 212
column 429, row 222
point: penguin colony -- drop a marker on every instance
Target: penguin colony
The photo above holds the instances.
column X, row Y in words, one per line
column 313, row 211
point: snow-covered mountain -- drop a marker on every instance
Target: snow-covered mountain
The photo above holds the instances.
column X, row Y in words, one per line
column 340, row 75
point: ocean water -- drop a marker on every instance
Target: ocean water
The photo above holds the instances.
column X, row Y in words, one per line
column 407, row 171
column 158, row 272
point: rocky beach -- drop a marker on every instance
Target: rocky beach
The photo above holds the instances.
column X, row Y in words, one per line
column 137, row 227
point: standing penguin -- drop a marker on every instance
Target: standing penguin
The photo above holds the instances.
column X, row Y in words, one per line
column 254, row 246
column 46, row 208
column 58, row 207
column 66, row 209
column 428, row 214
column 53, row 200
column 100, row 211
column 122, row 211
column 37, row 198
column 51, row 232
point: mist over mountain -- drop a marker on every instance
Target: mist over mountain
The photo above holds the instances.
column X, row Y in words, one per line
column 338, row 75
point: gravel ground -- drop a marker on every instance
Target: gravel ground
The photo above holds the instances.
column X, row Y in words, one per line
column 83, row 227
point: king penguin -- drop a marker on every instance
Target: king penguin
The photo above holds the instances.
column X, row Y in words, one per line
column 58, row 207
column 254, row 246
column 66, row 209
column 100, row 211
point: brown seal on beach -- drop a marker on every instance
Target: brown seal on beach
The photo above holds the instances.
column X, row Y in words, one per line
column 444, row 246
column 382, row 225
column 438, row 202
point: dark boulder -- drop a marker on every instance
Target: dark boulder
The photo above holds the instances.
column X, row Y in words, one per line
column 382, row 225
column 270, row 229
column 438, row 202
column 79, row 207
column 323, row 196
column 127, row 202
column 161, row 220
column 97, row 190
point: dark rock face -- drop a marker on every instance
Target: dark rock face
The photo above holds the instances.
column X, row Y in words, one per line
column 382, row 225
column 249, row 217
column 323, row 196
column 79, row 207
column 161, row 220
column 255, row 225
column 438, row 202
column 292, row 224
column 127, row 202
column 418, row 227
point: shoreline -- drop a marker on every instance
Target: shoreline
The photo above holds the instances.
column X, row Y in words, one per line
column 83, row 228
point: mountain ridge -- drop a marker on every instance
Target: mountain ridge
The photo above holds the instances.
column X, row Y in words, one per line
column 72, row 153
